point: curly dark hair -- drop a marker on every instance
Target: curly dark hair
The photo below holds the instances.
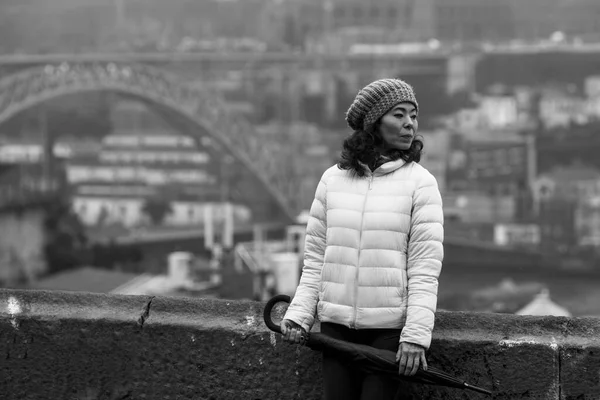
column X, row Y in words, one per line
column 363, row 147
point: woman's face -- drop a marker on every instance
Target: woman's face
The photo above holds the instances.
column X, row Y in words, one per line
column 398, row 127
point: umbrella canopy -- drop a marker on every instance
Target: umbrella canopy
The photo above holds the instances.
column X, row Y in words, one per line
column 366, row 358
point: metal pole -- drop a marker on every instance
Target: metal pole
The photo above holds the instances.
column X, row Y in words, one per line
column 227, row 228
column 532, row 168
column 120, row 13
column 48, row 149
column 327, row 22
column 209, row 232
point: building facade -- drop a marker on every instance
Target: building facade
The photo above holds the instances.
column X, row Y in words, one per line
column 114, row 186
column 454, row 20
column 473, row 20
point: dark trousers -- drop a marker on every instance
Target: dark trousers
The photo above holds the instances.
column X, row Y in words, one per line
column 341, row 381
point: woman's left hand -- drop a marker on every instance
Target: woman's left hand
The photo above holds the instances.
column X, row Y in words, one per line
column 411, row 356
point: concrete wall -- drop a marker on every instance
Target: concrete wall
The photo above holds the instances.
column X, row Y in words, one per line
column 86, row 346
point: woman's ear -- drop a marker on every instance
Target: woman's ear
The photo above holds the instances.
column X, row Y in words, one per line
column 377, row 139
column 376, row 126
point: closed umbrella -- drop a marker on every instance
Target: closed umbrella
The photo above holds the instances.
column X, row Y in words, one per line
column 366, row 358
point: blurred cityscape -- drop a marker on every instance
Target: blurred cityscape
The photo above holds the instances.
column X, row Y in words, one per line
column 174, row 147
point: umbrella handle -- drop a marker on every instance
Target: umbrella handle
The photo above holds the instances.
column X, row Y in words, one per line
column 269, row 307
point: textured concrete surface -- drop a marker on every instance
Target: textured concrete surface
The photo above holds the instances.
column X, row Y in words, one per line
column 58, row 345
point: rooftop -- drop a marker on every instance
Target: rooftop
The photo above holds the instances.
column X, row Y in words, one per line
column 86, row 279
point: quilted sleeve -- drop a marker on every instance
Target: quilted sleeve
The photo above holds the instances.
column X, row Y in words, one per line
column 425, row 255
column 303, row 307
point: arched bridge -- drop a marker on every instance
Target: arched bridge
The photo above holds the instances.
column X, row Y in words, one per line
column 200, row 107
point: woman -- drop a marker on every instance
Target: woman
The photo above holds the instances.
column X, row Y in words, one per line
column 373, row 249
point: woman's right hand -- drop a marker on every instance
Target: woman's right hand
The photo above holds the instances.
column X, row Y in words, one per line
column 291, row 331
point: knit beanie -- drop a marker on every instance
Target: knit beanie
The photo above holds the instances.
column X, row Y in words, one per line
column 376, row 99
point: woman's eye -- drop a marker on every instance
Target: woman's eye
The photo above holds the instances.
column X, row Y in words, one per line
column 399, row 115
column 414, row 117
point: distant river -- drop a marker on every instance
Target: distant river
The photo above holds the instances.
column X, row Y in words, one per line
column 578, row 292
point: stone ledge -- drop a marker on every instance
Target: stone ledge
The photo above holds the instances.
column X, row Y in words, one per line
column 90, row 346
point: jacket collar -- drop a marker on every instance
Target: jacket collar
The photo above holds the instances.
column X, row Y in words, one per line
column 384, row 169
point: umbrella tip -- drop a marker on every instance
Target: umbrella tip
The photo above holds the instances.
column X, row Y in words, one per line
column 478, row 389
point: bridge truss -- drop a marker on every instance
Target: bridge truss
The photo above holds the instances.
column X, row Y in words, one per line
column 201, row 106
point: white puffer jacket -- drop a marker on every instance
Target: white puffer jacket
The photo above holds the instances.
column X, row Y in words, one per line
column 373, row 252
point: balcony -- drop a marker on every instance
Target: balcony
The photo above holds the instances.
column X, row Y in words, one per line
column 17, row 196
column 24, row 185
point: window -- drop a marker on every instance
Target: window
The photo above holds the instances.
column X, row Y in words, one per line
column 500, row 157
column 515, row 156
column 392, row 12
column 339, row 11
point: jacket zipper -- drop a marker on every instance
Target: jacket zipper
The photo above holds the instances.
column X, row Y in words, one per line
column 362, row 221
